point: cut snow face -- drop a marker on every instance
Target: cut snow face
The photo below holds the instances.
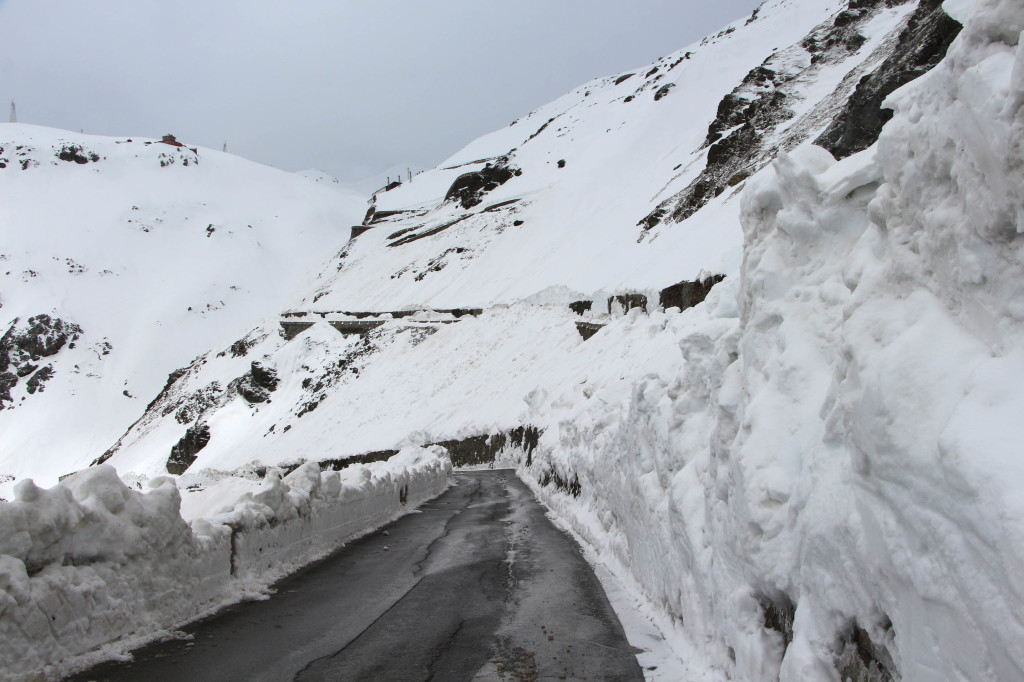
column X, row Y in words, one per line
column 151, row 254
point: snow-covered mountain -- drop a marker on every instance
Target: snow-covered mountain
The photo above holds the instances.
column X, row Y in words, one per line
column 589, row 197
column 757, row 351
column 123, row 259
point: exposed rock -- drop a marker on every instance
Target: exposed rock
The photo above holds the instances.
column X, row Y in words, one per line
column 257, row 385
column 22, row 346
column 580, row 307
column 778, row 611
column 685, row 295
column 37, row 380
column 439, row 263
column 469, row 188
column 171, row 378
column 588, row 329
column 183, row 453
column 241, row 347
column 663, row 90
column 627, row 302
column 862, row 660
column 196, row 403
column 922, row 44
column 70, row 152
column 741, row 140
column 7, row 381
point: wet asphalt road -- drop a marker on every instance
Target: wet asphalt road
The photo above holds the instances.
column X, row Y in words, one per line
column 478, row 585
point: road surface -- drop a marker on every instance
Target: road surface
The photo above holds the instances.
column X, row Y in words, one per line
column 477, row 585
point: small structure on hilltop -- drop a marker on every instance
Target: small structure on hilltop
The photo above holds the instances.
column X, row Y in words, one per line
column 169, row 139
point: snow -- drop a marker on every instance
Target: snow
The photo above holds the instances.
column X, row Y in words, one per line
column 92, row 567
column 160, row 262
column 579, row 223
column 847, row 443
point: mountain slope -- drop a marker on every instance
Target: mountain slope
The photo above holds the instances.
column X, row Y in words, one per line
column 501, row 222
column 628, row 182
column 121, row 260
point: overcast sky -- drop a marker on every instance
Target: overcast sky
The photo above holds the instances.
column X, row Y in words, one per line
column 352, row 87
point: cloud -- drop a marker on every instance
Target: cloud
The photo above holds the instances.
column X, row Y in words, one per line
column 351, row 87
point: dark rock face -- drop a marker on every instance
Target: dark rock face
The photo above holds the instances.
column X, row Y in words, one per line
column 663, row 90
column 469, row 188
column 7, row 382
column 685, row 295
column 70, row 152
column 482, row 449
column 922, row 44
column 241, row 347
column 628, row 302
column 464, row 451
column 36, row 381
column 863, row 660
column 22, row 346
column 257, row 385
column 580, row 307
column 183, row 453
column 741, row 139
column 193, row 405
column 779, row 611
column 588, row 329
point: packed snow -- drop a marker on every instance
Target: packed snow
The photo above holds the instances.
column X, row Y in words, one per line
column 845, row 444
column 91, row 566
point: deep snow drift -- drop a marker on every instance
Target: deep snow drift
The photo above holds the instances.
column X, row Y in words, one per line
column 830, row 481
column 92, row 561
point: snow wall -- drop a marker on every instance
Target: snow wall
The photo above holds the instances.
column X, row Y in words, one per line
column 827, row 485
column 92, row 562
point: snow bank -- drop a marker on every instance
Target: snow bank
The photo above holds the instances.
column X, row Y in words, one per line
column 829, row 485
column 91, row 566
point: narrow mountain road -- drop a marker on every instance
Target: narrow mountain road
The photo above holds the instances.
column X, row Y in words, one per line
column 478, row 585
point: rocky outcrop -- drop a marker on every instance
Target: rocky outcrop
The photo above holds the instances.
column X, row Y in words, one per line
column 70, row 152
column 922, row 44
column 185, row 451
column 258, row 383
column 742, row 138
column 685, row 295
column 23, row 345
column 469, row 188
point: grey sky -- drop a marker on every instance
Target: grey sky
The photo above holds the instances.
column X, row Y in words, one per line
column 351, row 87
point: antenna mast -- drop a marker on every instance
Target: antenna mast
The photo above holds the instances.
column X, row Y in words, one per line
column 14, row 113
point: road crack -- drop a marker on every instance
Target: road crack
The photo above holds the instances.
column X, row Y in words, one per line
column 443, row 649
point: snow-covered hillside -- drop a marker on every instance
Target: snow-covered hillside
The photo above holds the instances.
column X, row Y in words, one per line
column 504, row 222
column 121, row 260
column 590, row 192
